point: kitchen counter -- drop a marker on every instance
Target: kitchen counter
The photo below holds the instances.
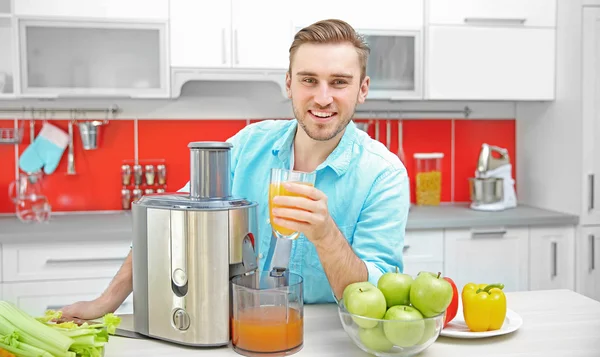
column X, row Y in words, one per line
column 459, row 215
column 555, row 323
column 118, row 225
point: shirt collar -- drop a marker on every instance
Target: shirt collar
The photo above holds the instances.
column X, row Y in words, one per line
column 338, row 160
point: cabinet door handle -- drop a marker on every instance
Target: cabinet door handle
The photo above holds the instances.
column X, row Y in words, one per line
column 235, row 46
column 54, row 307
column 223, row 45
column 591, row 191
column 405, row 248
column 82, row 260
column 592, row 252
column 554, row 258
column 488, row 234
column 495, row 21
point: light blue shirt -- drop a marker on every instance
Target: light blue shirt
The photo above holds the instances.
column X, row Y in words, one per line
column 367, row 189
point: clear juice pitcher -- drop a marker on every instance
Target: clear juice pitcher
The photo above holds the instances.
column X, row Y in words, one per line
column 267, row 314
column 26, row 194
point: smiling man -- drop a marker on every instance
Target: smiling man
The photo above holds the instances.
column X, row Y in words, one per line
column 354, row 219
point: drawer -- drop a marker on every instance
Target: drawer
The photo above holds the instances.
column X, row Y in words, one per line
column 64, row 260
column 37, row 297
column 529, row 13
column 424, row 246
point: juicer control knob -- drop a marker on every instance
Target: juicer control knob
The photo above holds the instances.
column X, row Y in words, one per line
column 179, row 277
column 181, row 319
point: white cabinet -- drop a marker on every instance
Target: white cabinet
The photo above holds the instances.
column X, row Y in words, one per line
column 490, row 50
column 57, row 261
column 98, row 9
column 7, row 48
column 379, row 14
column 588, row 262
column 230, row 34
column 86, row 58
column 394, row 32
column 37, row 297
column 534, row 13
column 552, row 254
column 591, row 117
column 488, row 255
column 198, row 37
column 423, row 251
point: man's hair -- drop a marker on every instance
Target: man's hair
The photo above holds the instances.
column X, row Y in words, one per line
column 332, row 31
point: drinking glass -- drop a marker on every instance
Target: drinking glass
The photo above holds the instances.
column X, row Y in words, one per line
column 267, row 313
column 278, row 177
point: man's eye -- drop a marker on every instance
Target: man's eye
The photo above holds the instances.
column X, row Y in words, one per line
column 338, row 82
column 309, row 80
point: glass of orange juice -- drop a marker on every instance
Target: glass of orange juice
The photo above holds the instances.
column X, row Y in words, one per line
column 267, row 314
column 278, row 177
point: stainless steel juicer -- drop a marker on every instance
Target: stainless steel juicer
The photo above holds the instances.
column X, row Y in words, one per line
column 186, row 247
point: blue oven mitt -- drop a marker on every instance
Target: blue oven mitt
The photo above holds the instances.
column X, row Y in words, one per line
column 45, row 151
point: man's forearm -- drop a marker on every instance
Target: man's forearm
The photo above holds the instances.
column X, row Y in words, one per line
column 121, row 285
column 341, row 265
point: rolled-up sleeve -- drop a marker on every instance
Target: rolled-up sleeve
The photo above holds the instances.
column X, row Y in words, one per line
column 379, row 235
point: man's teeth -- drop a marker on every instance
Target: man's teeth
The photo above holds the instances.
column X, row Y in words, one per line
column 322, row 114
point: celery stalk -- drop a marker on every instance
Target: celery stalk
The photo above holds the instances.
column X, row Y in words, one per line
column 24, row 322
column 13, row 340
column 8, row 328
column 87, row 340
column 19, row 352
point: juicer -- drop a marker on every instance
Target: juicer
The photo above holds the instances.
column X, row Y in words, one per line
column 187, row 247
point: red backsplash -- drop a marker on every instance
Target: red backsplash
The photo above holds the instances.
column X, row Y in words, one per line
column 96, row 186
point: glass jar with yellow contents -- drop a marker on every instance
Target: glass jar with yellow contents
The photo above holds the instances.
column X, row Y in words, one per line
column 428, row 178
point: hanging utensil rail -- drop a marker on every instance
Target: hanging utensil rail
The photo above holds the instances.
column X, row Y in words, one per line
column 114, row 110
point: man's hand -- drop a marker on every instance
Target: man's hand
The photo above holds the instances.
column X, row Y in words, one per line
column 308, row 214
column 82, row 311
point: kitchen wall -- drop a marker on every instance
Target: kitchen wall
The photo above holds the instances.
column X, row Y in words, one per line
column 160, row 130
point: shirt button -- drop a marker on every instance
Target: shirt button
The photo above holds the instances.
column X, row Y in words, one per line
column 260, row 256
column 268, row 221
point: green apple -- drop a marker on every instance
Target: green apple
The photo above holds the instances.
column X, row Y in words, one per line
column 405, row 325
column 395, row 287
column 367, row 301
column 429, row 331
column 430, row 293
column 351, row 288
column 374, row 338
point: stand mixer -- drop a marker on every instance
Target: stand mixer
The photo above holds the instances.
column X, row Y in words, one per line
column 493, row 187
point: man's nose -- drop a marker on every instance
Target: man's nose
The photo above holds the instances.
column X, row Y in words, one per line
column 323, row 96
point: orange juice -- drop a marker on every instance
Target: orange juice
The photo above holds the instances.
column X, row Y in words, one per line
column 277, row 189
column 267, row 329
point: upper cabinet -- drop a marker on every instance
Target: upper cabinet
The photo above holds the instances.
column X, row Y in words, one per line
column 228, row 42
column 70, row 48
column 96, row 9
column 7, row 59
column 76, row 58
column 394, row 32
column 490, row 50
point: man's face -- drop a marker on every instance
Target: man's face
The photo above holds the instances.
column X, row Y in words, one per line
column 325, row 88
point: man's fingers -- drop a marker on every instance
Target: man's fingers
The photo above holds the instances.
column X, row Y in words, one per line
column 304, row 190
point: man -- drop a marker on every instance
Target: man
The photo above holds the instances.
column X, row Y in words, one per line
column 354, row 220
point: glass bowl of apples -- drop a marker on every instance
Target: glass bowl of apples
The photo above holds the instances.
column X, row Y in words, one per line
column 401, row 316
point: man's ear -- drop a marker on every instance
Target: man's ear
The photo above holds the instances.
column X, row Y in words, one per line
column 364, row 90
column 288, row 84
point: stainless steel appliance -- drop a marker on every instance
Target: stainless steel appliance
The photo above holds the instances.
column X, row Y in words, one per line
column 492, row 188
column 186, row 247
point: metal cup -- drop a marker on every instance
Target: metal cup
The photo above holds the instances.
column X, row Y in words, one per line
column 90, row 134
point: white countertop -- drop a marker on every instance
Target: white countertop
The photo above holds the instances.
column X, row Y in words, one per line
column 555, row 323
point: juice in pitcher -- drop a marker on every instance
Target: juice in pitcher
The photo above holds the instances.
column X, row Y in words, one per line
column 267, row 314
column 267, row 329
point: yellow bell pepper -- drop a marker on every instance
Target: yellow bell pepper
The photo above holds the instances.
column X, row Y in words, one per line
column 484, row 306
